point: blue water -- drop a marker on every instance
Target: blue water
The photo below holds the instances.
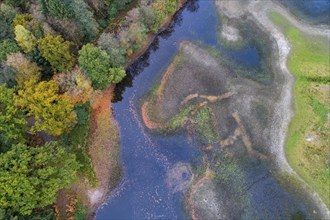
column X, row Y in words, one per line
column 315, row 11
column 146, row 158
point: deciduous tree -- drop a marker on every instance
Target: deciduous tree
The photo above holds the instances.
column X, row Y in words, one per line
column 117, row 74
column 31, row 176
column 12, row 121
column 57, row 52
column 96, row 63
column 25, row 38
column 52, row 113
column 7, row 47
column 25, row 68
column 111, row 45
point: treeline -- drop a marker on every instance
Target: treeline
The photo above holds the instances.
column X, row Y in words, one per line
column 55, row 55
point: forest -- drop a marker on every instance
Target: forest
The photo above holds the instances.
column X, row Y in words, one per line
column 56, row 58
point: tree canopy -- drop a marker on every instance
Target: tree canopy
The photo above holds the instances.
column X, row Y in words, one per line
column 31, row 176
column 25, row 68
column 12, row 121
column 52, row 113
column 96, row 63
column 7, row 47
column 25, row 38
column 57, row 52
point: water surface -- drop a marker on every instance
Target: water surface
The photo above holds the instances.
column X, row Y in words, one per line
column 147, row 158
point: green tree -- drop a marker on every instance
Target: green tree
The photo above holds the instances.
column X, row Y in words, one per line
column 53, row 113
column 57, row 52
column 7, row 14
column 25, row 68
column 111, row 45
column 7, row 47
column 25, row 38
column 23, row 4
column 84, row 17
column 12, row 121
column 57, row 8
column 30, row 177
column 96, row 63
column 117, row 74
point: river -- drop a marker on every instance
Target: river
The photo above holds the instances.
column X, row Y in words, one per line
column 148, row 158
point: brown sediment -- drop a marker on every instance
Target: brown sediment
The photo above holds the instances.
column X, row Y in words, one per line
column 165, row 78
column 145, row 117
column 210, row 98
column 194, row 187
column 246, row 139
column 213, row 99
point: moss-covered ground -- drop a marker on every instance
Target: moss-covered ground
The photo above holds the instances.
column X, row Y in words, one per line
column 307, row 145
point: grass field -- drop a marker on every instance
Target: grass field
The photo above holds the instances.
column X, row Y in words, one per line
column 307, row 145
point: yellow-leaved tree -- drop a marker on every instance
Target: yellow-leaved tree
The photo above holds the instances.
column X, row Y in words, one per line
column 53, row 113
column 25, row 38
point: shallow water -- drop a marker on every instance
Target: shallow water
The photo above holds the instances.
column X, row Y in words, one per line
column 314, row 11
column 147, row 158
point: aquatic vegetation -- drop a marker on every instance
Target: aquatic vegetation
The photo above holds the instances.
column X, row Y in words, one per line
column 309, row 132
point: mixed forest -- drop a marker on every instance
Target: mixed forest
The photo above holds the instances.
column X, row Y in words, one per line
column 56, row 58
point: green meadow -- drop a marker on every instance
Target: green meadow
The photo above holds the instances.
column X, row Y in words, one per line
column 307, row 145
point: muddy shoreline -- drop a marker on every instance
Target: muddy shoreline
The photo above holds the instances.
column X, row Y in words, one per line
column 285, row 106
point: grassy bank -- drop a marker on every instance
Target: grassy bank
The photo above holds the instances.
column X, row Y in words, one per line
column 308, row 138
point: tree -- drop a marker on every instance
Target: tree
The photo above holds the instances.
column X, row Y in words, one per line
column 23, row 4
column 111, row 45
column 29, row 23
column 31, row 176
column 117, row 74
column 22, row 19
column 57, row 52
column 52, row 113
column 148, row 17
column 84, row 17
column 7, row 47
column 25, row 68
column 7, row 75
column 96, row 63
column 7, row 14
column 12, row 121
column 25, row 38
column 57, row 8
column 76, row 10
